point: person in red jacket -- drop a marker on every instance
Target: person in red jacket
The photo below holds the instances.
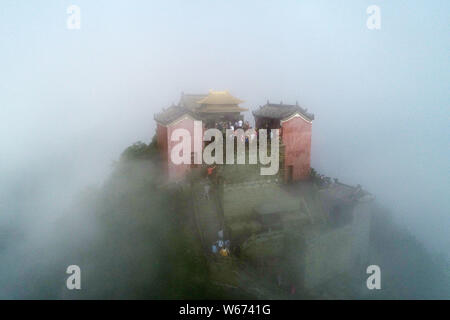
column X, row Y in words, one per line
column 210, row 171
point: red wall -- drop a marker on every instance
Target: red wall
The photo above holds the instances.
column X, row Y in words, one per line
column 296, row 136
column 174, row 171
column 161, row 138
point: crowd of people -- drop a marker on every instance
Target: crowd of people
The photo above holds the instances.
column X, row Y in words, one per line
column 221, row 247
column 223, row 126
column 238, row 124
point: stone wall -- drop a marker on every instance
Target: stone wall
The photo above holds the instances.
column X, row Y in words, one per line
column 337, row 251
column 239, row 199
column 326, row 256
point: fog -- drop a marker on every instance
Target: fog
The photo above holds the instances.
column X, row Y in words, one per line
column 72, row 100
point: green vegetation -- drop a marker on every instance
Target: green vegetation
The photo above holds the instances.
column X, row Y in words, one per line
column 141, row 151
column 135, row 237
column 148, row 246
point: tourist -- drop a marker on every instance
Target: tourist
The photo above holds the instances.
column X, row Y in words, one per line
column 223, row 252
column 210, row 171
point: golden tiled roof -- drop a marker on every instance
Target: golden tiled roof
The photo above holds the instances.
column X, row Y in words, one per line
column 220, row 108
column 219, row 97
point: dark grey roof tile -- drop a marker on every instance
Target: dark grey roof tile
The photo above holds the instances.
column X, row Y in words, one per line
column 281, row 111
column 171, row 114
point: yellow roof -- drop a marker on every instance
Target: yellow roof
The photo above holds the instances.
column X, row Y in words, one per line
column 221, row 108
column 219, row 97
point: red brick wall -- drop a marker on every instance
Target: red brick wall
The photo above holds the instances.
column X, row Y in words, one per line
column 296, row 136
column 161, row 139
column 178, row 171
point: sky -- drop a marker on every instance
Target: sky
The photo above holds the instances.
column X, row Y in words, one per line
column 72, row 100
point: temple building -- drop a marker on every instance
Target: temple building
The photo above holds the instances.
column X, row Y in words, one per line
column 295, row 125
column 293, row 121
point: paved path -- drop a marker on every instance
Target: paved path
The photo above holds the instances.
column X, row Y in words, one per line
column 207, row 214
column 226, row 272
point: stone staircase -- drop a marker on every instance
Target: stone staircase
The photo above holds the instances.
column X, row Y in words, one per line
column 207, row 214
